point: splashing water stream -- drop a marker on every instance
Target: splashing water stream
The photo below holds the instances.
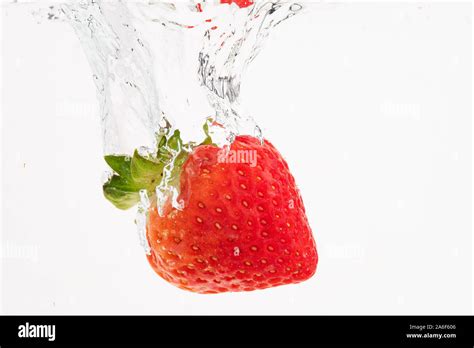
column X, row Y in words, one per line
column 159, row 66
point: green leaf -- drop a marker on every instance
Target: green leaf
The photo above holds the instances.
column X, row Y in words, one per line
column 145, row 171
column 162, row 141
column 123, row 184
column 174, row 142
column 168, row 147
column 177, row 165
column 119, row 163
column 121, row 192
column 121, row 199
column 208, row 139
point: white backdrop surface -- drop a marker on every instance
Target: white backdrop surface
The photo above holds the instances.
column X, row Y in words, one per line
column 369, row 103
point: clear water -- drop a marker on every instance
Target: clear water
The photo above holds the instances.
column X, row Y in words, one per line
column 159, row 66
column 173, row 64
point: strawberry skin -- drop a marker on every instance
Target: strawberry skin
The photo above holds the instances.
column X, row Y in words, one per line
column 243, row 226
column 240, row 3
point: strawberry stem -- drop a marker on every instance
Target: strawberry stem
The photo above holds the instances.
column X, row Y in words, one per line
column 145, row 171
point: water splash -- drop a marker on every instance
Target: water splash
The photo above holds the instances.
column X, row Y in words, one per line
column 159, row 66
column 122, row 65
column 141, row 220
column 150, row 61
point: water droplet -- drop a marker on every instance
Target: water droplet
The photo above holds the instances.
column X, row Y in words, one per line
column 259, row 134
column 295, row 7
column 231, row 137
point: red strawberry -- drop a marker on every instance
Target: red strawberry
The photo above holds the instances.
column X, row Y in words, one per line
column 240, row 3
column 243, row 226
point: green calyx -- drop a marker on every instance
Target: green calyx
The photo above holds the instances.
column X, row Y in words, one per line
column 146, row 171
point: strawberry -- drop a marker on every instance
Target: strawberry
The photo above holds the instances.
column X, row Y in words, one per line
column 243, row 224
column 240, row 3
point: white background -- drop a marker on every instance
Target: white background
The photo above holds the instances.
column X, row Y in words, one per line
column 369, row 103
